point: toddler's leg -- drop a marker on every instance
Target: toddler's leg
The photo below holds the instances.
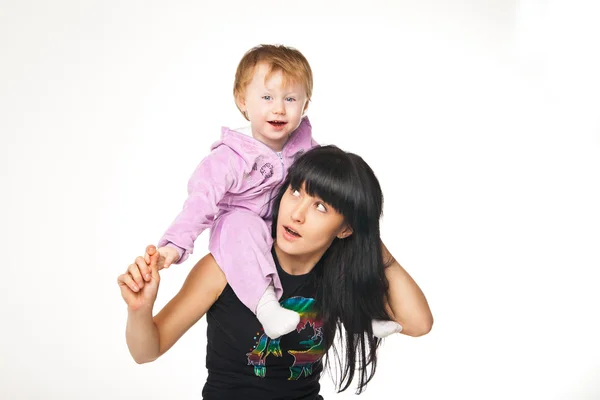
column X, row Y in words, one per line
column 383, row 329
column 241, row 244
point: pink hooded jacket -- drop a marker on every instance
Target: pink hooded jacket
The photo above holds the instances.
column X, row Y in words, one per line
column 240, row 172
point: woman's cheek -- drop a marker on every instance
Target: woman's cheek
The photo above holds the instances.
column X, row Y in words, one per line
column 323, row 230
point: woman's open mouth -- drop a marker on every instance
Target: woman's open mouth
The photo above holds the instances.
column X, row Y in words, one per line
column 291, row 232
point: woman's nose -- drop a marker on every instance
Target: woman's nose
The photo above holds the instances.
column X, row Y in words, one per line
column 299, row 213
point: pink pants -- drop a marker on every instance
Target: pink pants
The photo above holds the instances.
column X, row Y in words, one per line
column 240, row 242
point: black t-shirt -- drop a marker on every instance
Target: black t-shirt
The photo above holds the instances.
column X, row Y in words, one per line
column 244, row 363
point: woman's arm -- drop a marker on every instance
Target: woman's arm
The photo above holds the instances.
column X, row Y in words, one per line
column 407, row 303
column 148, row 338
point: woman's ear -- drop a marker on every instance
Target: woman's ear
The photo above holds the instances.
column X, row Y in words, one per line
column 345, row 232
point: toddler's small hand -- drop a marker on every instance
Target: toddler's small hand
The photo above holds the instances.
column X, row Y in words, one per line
column 168, row 256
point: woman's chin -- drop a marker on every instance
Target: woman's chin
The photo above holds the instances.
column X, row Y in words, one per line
column 287, row 247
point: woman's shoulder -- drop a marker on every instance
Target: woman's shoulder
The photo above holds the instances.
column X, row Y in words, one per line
column 205, row 280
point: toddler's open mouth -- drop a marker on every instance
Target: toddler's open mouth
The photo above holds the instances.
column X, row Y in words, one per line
column 277, row 123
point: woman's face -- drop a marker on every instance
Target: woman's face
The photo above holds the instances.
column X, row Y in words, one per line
column 307, row 225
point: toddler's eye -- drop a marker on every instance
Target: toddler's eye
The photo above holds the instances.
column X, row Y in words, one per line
column 321, row 207
column 290, row 99
column 295, row 193
column 267, row 97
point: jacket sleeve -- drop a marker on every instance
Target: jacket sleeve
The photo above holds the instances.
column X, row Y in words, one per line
column 209, row 183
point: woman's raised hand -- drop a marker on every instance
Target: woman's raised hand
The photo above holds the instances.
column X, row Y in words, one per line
column 139, row 284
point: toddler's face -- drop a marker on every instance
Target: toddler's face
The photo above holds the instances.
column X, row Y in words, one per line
column 274, row 110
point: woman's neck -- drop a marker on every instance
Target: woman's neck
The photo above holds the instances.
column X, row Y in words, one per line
column 297, row 264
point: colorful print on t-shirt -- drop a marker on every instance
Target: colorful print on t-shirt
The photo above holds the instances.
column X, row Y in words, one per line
column 303, row 346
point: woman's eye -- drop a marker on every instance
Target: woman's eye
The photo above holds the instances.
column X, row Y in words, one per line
column 295, row 193
column 321, row 207
column 267, row 97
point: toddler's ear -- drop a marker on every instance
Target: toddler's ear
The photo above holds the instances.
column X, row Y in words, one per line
column 240, row 101
column 305, row 107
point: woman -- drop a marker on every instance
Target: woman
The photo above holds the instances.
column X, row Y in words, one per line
column 330, row 259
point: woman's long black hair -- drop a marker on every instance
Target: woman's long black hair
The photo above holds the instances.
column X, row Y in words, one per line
column 351, row 283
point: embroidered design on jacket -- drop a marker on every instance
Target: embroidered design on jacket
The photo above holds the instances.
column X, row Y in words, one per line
column 267, row 170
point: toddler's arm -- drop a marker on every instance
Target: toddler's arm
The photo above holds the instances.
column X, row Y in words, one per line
column 211, row 180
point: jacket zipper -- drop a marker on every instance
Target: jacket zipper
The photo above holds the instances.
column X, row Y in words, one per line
column 280, row 155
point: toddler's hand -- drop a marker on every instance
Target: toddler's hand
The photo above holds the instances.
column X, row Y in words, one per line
column 167, row 255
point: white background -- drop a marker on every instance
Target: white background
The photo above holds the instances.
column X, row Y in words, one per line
column 481, row 119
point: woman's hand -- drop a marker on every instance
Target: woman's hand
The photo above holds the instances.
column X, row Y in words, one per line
column 138, row 285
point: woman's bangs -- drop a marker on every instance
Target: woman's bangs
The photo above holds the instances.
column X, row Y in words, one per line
column 325, row 179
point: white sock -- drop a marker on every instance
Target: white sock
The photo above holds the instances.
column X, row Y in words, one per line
column 383, row 329
column 275, row 320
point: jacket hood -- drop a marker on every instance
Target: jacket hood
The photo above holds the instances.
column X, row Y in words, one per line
column 250, row 148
